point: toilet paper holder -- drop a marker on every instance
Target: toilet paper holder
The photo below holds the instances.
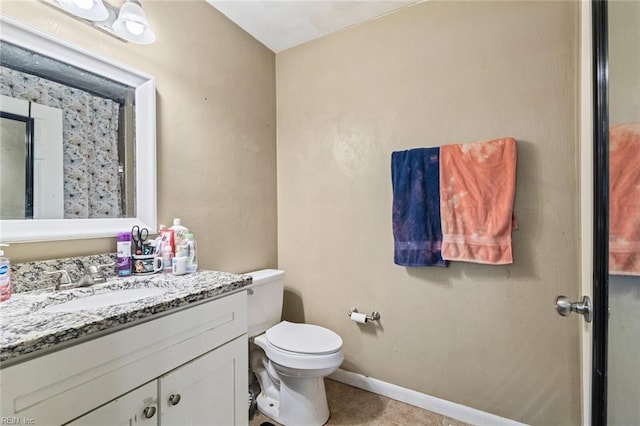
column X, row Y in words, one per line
column 375, row 315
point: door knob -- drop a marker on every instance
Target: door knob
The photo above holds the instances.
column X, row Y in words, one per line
column 565, row 307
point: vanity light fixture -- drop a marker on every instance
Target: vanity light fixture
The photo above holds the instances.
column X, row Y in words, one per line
column 129, row 22
column 91, row 10
column 132, row 24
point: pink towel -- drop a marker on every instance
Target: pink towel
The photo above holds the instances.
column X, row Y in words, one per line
column 624, row 199
column 477, row 190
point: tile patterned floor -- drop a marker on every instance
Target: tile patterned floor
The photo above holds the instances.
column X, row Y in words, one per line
column 351, row 406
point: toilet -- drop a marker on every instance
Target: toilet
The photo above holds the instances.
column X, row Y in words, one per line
column 289, row 359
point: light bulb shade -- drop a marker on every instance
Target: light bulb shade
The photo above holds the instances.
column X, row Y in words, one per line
column 92, row 10
column 138, row 29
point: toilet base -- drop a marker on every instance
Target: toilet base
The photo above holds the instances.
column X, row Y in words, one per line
column 303, row 401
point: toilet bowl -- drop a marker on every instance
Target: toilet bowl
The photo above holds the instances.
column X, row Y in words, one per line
column 290, row 360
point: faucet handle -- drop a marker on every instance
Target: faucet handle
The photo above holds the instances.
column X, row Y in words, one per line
column 98, row 271
column 107, row 265
column 62, row 279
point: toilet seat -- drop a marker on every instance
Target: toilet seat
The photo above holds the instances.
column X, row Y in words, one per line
column 326, row 354
column 303, row 339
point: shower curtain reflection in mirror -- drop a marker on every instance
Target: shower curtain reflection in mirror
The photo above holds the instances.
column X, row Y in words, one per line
column 90, row 143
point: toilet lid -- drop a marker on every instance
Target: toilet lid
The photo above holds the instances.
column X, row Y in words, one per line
column 303, row 338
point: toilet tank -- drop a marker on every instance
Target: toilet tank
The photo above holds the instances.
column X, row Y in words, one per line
column 264, row 300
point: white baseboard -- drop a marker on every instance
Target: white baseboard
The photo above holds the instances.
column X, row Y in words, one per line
column 431, row 403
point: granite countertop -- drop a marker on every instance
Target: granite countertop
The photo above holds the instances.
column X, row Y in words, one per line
column 27, row 330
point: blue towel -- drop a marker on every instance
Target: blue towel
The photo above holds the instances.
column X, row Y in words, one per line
column 417, row 231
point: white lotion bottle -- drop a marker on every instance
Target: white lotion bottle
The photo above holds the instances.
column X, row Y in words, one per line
column 179, row 232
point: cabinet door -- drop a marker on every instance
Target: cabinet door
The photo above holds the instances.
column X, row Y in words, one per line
column 129, row 409
column 210, row 390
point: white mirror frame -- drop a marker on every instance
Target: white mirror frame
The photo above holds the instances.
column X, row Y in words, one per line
column 145, row 143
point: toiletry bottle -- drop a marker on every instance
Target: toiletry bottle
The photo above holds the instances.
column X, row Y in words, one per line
column 153, row 248
column 158, row 241
column 179, row 231
column 5, row 276
column 166, row 237
column 167, row 258
column 124, row 254
column 190, row 252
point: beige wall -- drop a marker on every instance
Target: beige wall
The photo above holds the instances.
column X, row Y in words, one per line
column 439, row 72
column 215, row 129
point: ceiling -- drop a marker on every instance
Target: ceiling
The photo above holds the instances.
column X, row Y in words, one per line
column 281, row 24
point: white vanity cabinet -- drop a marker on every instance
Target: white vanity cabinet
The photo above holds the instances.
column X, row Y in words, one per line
column 201, row 392
column 186, row 367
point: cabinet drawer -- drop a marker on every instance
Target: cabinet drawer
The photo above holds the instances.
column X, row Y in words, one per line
column 129, row 409
column 58, row 387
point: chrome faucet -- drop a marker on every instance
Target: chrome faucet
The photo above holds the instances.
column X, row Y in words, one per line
column 92, row 275
column 63, row 280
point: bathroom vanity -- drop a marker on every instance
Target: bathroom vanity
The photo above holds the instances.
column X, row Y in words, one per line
column 175, row 356
column 156, row 350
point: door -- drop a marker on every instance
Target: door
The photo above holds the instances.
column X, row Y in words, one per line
column 621, row 395
column 210, row 390
column 610, row 122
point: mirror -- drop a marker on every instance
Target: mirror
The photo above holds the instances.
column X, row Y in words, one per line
column 97, row 136
column 623, row 292
column 109, row 181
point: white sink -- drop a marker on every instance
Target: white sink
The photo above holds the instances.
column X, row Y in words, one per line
column 115, row 297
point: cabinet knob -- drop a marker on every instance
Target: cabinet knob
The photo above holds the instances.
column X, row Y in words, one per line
column 149, row 412
column 174, row 399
